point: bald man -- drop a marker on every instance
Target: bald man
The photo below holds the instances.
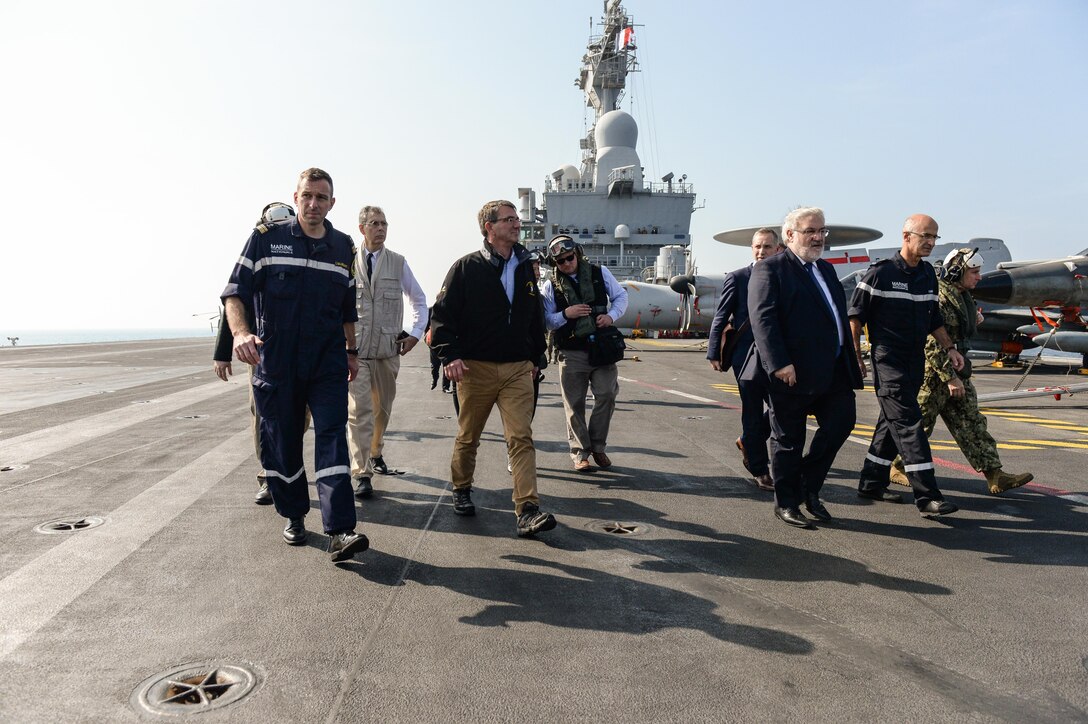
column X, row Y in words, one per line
column 897, row 298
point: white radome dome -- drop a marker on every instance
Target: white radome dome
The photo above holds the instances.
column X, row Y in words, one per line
column 616, row 128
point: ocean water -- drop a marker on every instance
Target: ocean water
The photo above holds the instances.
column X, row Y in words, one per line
column 29, row 337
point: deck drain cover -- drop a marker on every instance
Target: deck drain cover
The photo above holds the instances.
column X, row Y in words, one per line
column 69, row 525
column 620, row 528
column 194, row 689
column 11, row 468
column 191, row 417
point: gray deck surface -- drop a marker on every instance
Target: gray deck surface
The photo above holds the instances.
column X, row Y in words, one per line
column 711, row 610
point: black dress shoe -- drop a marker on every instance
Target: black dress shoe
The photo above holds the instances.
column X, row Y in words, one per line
column 817, row 510
column 883, row 496
column 379, row 465
column 792, row 516
column 343, row 546
column 764, row 482
column 938, row 507
column 264, row 495
column 363, row 488
column 295, row 532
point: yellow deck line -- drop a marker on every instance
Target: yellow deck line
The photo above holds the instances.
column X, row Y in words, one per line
column 1053, row 443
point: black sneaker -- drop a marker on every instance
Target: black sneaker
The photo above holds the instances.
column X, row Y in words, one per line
column 343, row 546
column 363, row 488
column 462, row 502
column 379, row 465
column 532, row 521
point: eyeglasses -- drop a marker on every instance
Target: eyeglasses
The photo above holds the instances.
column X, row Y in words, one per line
column 564, row 259
column 824, row 232
column 927, row 237
column 506, row 219
column 377, row 223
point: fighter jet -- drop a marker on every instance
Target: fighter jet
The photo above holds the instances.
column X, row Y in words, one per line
column 1037, row 302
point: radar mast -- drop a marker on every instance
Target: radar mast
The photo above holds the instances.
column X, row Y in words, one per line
column 609, row 57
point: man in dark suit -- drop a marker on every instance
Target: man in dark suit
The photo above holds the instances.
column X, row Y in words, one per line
column 733, row 312
column 803, row 349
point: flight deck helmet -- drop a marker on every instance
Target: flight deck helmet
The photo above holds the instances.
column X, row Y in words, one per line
column 277, row 212
column 560, row 245
column 958, row 262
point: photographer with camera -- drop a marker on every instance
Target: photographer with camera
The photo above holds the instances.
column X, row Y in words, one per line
column 580, row 308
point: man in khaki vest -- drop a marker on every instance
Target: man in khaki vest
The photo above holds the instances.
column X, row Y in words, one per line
column 384, row 279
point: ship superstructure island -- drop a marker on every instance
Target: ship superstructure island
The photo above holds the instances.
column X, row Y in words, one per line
column 637, row 228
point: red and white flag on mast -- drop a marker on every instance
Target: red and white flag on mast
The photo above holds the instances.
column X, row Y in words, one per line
column 628, row 36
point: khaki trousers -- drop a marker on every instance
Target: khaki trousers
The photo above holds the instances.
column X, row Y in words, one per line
column 576, row 378
column 370, row 403
column 510, row 386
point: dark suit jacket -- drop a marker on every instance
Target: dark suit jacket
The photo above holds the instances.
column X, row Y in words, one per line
column 732, row 307
column 793, row 325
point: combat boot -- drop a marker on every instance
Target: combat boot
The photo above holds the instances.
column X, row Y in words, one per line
column 898, row 475
column 1000, row 481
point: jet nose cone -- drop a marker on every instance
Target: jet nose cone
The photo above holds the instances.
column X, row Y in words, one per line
column 680, row 283
column 994, row 286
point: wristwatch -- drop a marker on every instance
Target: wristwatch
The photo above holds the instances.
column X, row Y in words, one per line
column 353, row 351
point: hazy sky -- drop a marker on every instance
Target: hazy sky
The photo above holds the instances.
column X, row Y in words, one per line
column 141, row 139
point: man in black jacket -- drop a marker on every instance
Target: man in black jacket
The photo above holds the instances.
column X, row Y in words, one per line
column 803, row 349
column 755, row 422
column 488, row 328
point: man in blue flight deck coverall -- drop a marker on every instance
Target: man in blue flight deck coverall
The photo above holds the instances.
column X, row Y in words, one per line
column 298, row 279
column 897, row 299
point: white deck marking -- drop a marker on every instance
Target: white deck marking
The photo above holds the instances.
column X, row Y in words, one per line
column 40, row 443
column 32, row 387
column 41, row 589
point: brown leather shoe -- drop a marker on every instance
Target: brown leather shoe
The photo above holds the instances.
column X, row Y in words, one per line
column 602, row 460
column 743, row 453
column 583, row 466
column 764, row 482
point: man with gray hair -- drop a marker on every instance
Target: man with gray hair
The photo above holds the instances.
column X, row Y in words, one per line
column 804, row 356
column 729, row 344
column 384, row 279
